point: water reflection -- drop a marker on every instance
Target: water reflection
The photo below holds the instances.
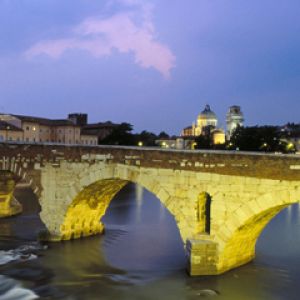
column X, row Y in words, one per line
column 141, row 257
column 145, row 244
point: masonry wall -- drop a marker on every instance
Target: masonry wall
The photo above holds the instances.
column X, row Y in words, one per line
column 76, row 184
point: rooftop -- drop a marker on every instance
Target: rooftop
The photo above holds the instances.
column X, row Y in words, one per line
column 6, row 126
column 207, row 113
column 44, row 121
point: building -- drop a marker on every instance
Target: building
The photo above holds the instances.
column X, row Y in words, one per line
column 41, row 130
column 78, row 119
column 101, row 130
column 218, row 137
column 206, row 124
column 187, row 131
column 234, row 119
column 207, row 118
column 9, row 132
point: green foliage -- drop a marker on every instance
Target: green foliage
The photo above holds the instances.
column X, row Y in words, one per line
column 146, row 137
column 203, row 142
column 121, row 135
column 257, row 138
column 163, row 135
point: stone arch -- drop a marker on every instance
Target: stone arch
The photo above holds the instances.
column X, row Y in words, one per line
column 16, row 167
column 237, row 236
column 88, row 199
column 14, row 170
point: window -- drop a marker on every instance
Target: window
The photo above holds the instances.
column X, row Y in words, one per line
column 27, row 139
column 70, row 142
column 34, row 139
column 27, row 127
column 1, row 138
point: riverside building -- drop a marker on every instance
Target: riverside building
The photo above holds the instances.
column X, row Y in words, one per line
column 42, row 130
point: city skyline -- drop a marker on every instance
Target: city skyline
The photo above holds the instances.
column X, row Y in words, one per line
column 58, row 58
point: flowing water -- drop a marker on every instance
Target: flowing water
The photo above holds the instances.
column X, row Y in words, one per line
column 140, row 256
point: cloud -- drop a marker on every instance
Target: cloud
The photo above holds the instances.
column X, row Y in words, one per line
column 130, row 31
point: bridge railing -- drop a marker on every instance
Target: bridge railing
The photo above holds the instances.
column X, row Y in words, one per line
column 147, row 148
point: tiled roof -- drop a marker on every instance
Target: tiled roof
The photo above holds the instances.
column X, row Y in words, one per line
column 6, row 126
column 46, row 122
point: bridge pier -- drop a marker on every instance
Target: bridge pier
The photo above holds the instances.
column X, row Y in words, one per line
column 202, row 256
column 9, row 206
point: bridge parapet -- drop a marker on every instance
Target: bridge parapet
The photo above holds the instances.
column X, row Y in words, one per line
column 258, row 165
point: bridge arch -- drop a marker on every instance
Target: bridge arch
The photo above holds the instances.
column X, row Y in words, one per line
column 14, row 171
column 238, row 235
column 21, row 173
column 87, row 201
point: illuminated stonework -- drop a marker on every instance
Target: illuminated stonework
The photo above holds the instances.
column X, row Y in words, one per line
column 9, row 206
column 221, row 201
column 85, row 212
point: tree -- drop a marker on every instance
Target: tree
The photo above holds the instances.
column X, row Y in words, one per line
column 147, row 138
column 163, row 135
column 203, row 142
column 120, row 135
column 257, row 138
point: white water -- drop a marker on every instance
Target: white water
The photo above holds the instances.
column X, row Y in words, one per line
column 11, row 289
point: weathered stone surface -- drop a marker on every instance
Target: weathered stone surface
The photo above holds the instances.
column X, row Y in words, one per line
column 76, row 184
column 9, row 206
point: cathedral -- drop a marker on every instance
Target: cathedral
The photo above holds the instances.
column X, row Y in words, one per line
column 207, row 124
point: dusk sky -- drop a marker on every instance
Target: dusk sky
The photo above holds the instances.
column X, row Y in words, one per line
column 154, row 64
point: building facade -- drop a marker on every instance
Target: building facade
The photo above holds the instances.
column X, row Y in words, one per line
column 206, row 124
column 234, row 118
column 41, row 130
column 9, row 132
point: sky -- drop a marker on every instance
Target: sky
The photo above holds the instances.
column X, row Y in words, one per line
column 152, row 63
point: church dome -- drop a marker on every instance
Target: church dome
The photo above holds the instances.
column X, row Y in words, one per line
column 207, row 113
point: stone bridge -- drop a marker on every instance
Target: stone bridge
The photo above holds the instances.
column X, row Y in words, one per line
column 221, row 201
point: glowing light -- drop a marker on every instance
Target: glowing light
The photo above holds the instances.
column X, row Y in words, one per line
column 140, row 144
column 290, row 146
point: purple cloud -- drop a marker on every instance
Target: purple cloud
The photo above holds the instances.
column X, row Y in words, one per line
column 99, row 36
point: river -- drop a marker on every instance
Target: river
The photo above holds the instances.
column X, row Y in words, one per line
column 140, row 256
